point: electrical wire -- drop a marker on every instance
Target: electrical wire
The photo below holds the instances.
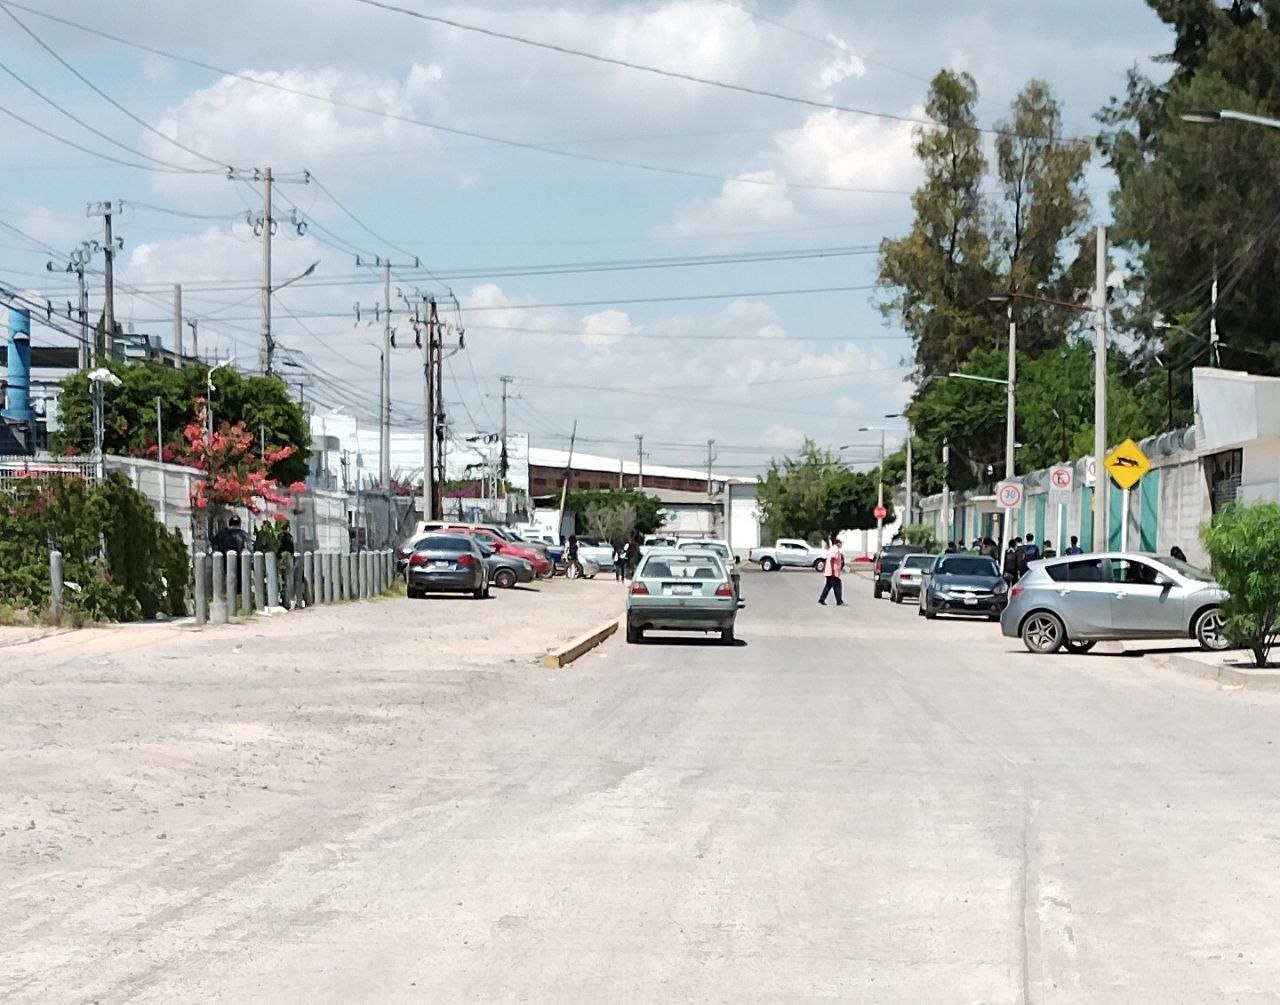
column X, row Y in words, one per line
column 677, row 74
column 451, row 130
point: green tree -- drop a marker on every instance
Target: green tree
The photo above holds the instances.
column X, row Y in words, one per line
column 813, row 495
column 937, row 278
column 1191, row 196
column 129, row 411
column 1243, row 542
column 647, row 510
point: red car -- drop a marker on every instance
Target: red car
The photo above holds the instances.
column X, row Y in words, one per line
column 541, row 567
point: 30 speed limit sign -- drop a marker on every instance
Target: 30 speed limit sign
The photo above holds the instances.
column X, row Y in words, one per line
column 1009, row 494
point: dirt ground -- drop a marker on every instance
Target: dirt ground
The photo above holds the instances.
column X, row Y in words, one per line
column 138, row 762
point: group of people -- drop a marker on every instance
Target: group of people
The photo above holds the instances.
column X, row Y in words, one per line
column 233, row 538
column 1021, row 552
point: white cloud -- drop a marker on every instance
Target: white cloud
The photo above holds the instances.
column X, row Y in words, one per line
column 605, row 328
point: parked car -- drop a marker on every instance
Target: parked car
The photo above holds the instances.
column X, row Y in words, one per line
column 907, row 577
column 888, row 559
column 447, row 563
column 681, row 591
column 657, row 541
column 492, row 530
column 1079, row 600
column 722, row 550
column 505, row 571
column 788, row 552
column 960, row 583
column 595, row 551
column 536, row 535
column 541, row 564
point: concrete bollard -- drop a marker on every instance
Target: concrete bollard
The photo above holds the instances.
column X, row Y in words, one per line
column 322, row 578
column 201, row 566
column 55, row 585
column 259, row 582
column 385, row 580
column 233, row 583
column 273, row 579
column 330, row 570
column 350, row 572
column 246, row 582
column 287, row 567
column 309, row 579
column 217, row 594
column 339, row 578
column 366, row 569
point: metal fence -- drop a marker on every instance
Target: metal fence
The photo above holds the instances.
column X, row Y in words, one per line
column 14, row 468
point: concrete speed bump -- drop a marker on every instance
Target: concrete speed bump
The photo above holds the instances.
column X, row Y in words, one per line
column 565, row 655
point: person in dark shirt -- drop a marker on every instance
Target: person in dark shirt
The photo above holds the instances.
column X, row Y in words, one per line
column 1075, row 548
column 231, row 538
column 1011, row 557
column 1049, row 550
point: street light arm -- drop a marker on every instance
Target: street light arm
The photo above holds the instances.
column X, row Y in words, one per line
column 1083, row 308
column 985, row 380
column 1211, row 115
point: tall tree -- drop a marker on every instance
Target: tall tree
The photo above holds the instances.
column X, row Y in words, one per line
column 1044, row 209
column 813, row 495
column 1194, row 199
column 938, row 276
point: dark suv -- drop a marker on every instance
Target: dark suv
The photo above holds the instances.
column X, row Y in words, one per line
column 890, row 558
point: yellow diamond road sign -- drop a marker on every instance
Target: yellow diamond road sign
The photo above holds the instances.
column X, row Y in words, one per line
column 1127, row 464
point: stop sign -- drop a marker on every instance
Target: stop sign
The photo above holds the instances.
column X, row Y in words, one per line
column 880, row 512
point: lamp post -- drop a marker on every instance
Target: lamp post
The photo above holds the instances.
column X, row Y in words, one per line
column 97, row 378
column 909, row 499
column 879, row 486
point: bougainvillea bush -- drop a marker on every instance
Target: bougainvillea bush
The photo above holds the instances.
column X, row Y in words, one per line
column 237, row 471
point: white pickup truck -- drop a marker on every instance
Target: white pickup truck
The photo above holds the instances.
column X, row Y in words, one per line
column 788, row 551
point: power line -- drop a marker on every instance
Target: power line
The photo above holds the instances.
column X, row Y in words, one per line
column 673, row 74
column 451, row 130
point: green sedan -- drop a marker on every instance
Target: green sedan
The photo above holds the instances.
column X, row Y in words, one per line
column 682, row 590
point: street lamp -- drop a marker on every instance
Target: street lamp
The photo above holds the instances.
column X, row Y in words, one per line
column 208, row 400
column 97, row 378
column 879, row 486
column 1208, row 116
column 903, row 415
column 301, row 275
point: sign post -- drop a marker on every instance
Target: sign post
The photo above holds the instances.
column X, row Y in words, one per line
column 1009, row 496
column 1126, row 464
column 1061, row 482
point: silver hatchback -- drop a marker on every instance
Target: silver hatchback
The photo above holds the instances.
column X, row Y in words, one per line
column 1078, row 600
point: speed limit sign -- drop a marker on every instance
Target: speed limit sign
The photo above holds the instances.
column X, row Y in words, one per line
column 1009, row 494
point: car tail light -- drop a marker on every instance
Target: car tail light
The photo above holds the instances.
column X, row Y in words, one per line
column 466, row 560
column 418, row 559
column 1014, row 591
column 724, row 590
column 877, row 565
column 638, row 589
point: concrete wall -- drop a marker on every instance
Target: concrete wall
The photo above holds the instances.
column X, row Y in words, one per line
column 744, row 518
column 1260, row 477
column 168, row 487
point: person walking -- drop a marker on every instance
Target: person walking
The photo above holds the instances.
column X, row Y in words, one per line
column 231, row 538
column 1074, row 548
column 1011, row 560
column 619, row 561
column 833, row 566
column 1027, row 554
column 1049, row 550
column 572, row 567
column 289, row 567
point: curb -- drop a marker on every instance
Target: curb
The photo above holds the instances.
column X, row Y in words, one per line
column 1261, row 680
column 562, row 657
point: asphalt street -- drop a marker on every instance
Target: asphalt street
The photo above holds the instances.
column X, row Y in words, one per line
column 850, row 804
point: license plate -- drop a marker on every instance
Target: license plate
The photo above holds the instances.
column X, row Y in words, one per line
column 682, row 591
column 439, row 565
column 970, row 601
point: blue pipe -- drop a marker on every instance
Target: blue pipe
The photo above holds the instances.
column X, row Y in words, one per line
column 18, row 385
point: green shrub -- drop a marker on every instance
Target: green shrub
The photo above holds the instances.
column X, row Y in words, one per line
column 921, row 536
column 119, row 562
column 1243, row 542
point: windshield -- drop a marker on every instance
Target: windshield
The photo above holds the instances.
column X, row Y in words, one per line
column 965, row 565
column 712, row 546
column 1187, row 570
column 443, row 542
column 918, row 561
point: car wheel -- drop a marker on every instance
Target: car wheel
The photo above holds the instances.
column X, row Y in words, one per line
column 726, row 636
column 1080, row 646
column 895, row 596
column 768, row 564
column 504, row 578
column 877, row 591
column 929, row 613
column 819, row 565
column 635, row 635
column 1043, row 633
column 413, row 594
column 1208, row 630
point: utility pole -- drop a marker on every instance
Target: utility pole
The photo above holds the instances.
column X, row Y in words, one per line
column 177, row 324
column 84, row 354
column 1213, row 316
column 1101, row 494
column 909, row 499
column 268, row 347
column 568, row 471
column 428, row 414
column 502, row 456
column 640, row 458
column 441, row 470
column 946, row 491
column 76, row 262
column 710, row 461
column 105, row 343
column 195, row 338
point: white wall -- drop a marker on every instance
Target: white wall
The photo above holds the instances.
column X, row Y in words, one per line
column 1260, row 476
column 744, row 518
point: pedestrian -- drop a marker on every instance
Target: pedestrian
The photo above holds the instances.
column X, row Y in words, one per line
column 951, row 548
column 1049, row 551
column 1027, row 554
column 1178, row 553
column 619, row 561
column 1011, row 557
column 572, row 567
column 976, row 546
column 286, row 555
column 833, row 567
column 232, row 537
column 1074, row 548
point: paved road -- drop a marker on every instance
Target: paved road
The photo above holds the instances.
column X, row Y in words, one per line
column 852, row 804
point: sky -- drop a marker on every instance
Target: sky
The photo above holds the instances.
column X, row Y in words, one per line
column 642, row 253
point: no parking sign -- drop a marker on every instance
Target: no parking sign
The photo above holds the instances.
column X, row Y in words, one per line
column 1061, row 479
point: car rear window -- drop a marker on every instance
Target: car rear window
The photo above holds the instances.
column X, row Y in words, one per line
column 966, row 565
column 443, row 542
column 917, row 561
column 674, row 565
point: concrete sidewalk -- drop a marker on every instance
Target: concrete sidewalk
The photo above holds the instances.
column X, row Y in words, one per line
column 1233, row 667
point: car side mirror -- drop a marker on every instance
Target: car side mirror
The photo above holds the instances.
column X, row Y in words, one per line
column 1163, row 581
column 737, row 559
